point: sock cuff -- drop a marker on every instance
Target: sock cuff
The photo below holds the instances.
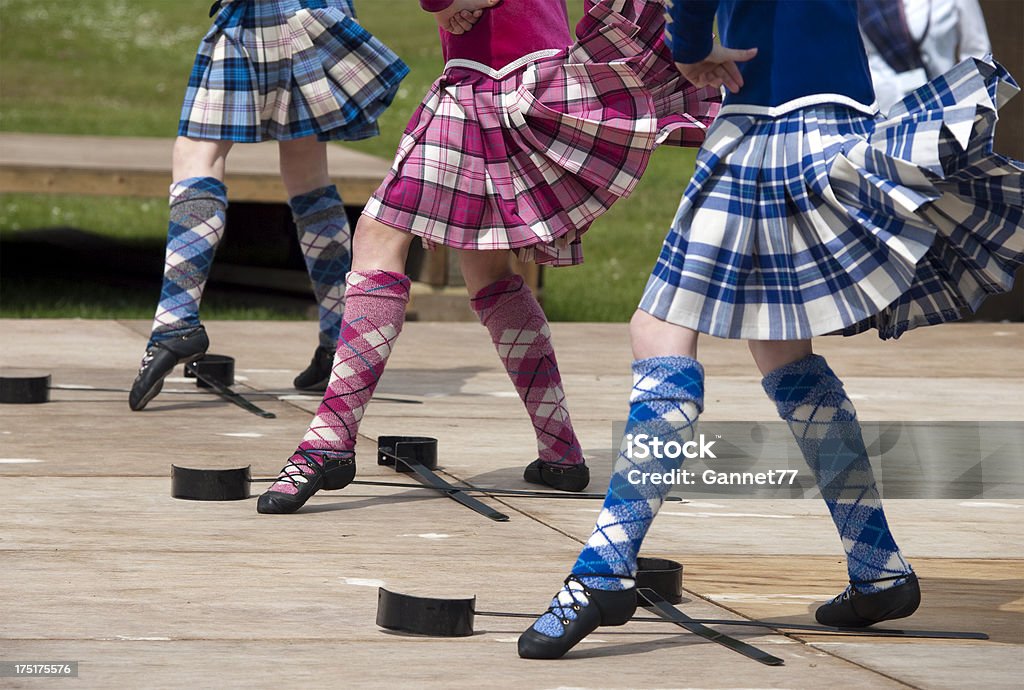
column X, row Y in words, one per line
column 798, row 383
column 668, row 378
column 378, row 284
column 315, row 201
column 496, row 294
column 192, row 188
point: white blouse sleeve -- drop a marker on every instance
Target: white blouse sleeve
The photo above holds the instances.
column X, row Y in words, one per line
column 974, row 41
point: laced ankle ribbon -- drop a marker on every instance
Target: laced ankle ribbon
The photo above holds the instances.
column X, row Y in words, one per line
column 147, row 359
column 851, row 588
column 558, row 610
column 299, row 477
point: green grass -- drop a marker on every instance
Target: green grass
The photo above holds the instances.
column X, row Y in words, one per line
column 121, row 218
column 119, row 67
column 54, row 297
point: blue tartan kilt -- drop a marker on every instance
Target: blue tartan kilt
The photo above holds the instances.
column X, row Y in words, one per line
column 825, row 220
column 287, row 69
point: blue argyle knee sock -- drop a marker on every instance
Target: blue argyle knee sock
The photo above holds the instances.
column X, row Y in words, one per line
column 667, row 396
column 811, row 399
column 197, row 216
column 327, row 248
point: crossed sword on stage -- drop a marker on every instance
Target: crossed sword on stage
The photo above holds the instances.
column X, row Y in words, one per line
column 649, row 598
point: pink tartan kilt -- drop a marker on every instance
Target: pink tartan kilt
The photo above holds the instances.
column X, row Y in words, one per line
column 528, row 161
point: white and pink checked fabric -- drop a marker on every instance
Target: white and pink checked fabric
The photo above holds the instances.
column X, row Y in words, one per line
column 528, row 161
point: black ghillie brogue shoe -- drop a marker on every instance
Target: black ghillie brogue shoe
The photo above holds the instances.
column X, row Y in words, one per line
column 592, row 608
column 160, row 359
column 856, row 609
column 561, row 477
column 335, row 473
column 318, row 373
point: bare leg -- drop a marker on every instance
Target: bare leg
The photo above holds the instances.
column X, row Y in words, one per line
column 376, row 246
column 772, row 354
column 199, row 158
column 303, row 165
column 652, row 337
column 481, row 269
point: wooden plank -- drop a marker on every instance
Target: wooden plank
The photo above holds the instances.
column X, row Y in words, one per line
column 140, row 167
column 124, row 585
column 957, row 593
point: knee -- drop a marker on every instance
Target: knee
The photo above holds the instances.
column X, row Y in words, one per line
column 652, row 337
column 303, row 165
column 769, row 355
column 185, row 153
column 483, row 268
column 199, row 158
column 640, row 336
column 376, row 246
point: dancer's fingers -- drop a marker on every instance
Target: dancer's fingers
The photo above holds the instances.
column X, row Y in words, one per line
column 461, row 23
column 732, row 75
column 737, row 55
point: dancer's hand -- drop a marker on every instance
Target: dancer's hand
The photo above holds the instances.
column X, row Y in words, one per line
column 718, row 68
column 462, row 15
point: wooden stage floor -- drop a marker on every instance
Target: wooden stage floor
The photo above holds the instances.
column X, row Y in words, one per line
column 98, row 564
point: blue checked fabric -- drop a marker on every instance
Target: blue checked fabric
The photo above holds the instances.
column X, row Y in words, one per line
column 668, row 394
column 197, row 217
column 824, row 220
column 667, row 397
column 326, row 244
column 286, row 69
column 811, row 399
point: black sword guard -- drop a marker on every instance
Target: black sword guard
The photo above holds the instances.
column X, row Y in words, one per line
column 662, row 608
column 228, row 394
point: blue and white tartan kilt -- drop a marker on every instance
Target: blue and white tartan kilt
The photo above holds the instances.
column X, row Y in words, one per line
column 286, row 69
column 824, row 220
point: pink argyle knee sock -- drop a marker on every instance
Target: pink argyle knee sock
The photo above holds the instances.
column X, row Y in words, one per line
column 520, row 332
column 374, row 313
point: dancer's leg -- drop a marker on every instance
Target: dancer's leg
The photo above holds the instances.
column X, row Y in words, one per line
column 326, row 243
column 811, row 399
column 198, row 202
column 667, row 397
column 652, row 337
column 520, row 333
column 375, row 304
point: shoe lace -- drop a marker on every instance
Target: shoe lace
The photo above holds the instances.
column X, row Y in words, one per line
column 847, row 593
column 147, row 359
column 852, row 591
column 306, row 459
column 579, row 599
column 293, row 471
